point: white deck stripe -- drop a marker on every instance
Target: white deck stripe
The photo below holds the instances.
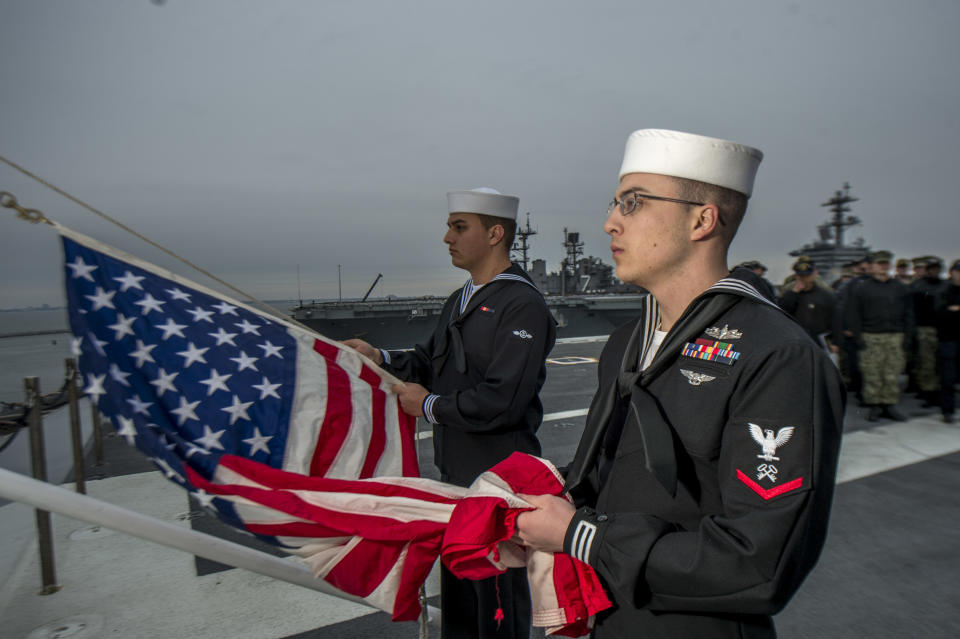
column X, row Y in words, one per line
column 883, row 448
column 564, row 414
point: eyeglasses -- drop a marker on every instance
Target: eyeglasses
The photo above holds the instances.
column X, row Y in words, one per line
column 629, row 203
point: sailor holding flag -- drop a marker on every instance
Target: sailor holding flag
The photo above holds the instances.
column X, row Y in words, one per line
column 477, row 380
column 703, row 481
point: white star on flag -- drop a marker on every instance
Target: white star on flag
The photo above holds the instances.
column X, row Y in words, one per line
column 171, row 328
column 142, row 354
column 244, row 362
column 248, row 327
column 201, row 315
column 82, row 269
column 210, row 439
column 225, row 308
column 127, row 431
column 177, row 294
column 204, row 498
column 258, row 442
column 150, row 303
column 237, row 410
column 223, row 337
column 139, row 406
column 118, row 375
column 216, row 382
column 164, row 382
column 122, row 327
column 193, row 354
column 75, row 346
column 94, row 387
column 102, row 299
column 97, row 345
column 269, row 349
column 267, row 389
column 193, row 449
column 129, row 280
column 185, row 411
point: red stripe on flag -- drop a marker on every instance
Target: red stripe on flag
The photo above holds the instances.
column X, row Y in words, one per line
column 377, row 560
column 408, row 443
column 372, row 528
column 339, row 412
column 416, row 567
column 378, row 435
column 284, row 480
column 769, row 493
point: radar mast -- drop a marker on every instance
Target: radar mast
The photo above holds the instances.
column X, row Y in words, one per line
column 520, row 245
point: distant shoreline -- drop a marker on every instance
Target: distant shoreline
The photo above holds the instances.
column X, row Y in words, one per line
column 53, row 331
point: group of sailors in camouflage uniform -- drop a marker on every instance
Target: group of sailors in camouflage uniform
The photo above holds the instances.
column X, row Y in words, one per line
column 882, row 324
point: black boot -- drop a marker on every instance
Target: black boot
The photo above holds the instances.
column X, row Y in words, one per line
column 874, row 414
column 894, row 414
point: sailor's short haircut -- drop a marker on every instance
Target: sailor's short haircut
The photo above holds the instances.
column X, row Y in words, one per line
column 731, row 204
column 509, row 228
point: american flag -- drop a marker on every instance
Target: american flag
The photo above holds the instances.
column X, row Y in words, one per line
column 280, row 431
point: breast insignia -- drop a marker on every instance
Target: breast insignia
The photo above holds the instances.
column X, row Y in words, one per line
column 696, row 378
column 724, row 333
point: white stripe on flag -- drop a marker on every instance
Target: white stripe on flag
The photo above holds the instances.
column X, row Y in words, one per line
column 353, row 451
column 309, row 405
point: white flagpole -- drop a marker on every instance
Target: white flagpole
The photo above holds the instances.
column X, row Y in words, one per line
column 17, row 487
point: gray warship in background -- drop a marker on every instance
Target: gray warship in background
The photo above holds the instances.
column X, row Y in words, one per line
column 584, row 296
column 829, row 252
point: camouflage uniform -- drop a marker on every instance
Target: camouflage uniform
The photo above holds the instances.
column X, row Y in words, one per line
column 881, row 362
column 925, row 291
column 926, row 364
column 881, row 317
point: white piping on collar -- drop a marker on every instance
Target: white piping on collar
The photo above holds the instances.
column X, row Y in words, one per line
column 651, row 318
column 739, row 286
column 467, row 292
column 651, row 321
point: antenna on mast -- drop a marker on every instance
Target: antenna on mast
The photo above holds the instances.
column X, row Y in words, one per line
column 574, row 249
column 520, row 245
column 838, row 204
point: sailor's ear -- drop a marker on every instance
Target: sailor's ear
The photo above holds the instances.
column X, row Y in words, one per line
column 495, row 233
column 705, row 222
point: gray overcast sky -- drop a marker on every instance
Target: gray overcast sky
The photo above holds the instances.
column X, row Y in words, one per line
column 255, row 136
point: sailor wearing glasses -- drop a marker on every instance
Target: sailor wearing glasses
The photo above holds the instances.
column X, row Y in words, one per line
column 702, row 483
column 477, row 379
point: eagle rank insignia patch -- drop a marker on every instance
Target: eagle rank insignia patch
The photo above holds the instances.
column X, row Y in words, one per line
column 696, row 378
column 769, row 441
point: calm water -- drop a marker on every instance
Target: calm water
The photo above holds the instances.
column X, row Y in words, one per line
column 39, row 355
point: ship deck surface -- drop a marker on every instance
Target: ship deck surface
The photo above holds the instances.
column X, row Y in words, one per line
column 888, row 569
